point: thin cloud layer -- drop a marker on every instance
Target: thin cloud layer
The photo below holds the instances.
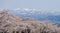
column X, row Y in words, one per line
column 35, row 11
column 16, row 9
column 27, row 9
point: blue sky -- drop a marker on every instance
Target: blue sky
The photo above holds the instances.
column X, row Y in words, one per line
column 38, row 4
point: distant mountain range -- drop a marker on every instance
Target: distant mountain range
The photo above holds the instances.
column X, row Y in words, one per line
column 53, row 16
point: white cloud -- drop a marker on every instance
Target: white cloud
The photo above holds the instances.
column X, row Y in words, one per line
column 17, row 9
column 38, row 11
column 24, row 13
column 33, row 9
column 27, row 9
